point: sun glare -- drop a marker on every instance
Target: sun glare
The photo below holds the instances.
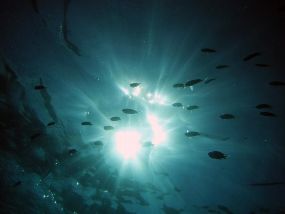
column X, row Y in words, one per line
column 128, row 143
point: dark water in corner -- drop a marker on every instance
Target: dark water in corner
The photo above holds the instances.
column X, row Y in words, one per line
column 208, row 106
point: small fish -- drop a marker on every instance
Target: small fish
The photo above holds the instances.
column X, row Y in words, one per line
column 177, row 105
column 225, row 209
column 209, row 80
column 262, row 65
column 171, row 210
column 193, row 82
column 129, row 111
column 135, row 84
column 263, row 105
column 108, row 128
column 72, row 151
column 192, row 134
column 208, row 50
column 267, row 184
column 115, row 118
column 222, row 66
column 251, row 56
column 178, row 85
column 267, row 114
column 177, row 189
column 51, row 124
column 217, row 155
column 86, row 123
column 277, row 83
column 39, row 87
column 18, row 183
column 147, row 144
column 192, row 107
column 98, row 143
column 35, row 136
column 227, row 116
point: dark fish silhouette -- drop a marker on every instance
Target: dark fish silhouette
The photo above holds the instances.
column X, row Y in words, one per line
column 267, row 114
column 115, row 118
column 277, row 83
column 227, row 116
column 208, row 50
column 263, row 105
column 129, row 111
column 262, row 65
column 135, row 84
column 51, row 123
column 72, row 151
column 171, row 210
column 192, row 134
column 193, row 82
column 98, row 143
column 39, row 87
column 147, row 144
column 209, row 80
column 35, row 6
column 192, row 107
column 217, row 155
column 177, row 105
column 108, row 128
column 251, row 56
column 18, row 183
column 225, row 209
column 35, row 136
column 222, row 66
column 178, row 85
column 267, row 184
column 86, row 123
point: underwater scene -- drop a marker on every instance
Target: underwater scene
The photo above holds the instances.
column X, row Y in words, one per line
column 142, row 107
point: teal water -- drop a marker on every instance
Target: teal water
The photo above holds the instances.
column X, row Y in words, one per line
column 197, row 87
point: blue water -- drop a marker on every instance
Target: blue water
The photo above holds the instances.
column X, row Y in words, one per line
column 68, row 62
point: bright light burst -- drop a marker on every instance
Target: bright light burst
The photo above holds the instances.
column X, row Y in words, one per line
column 128, row 143
column 158, row 134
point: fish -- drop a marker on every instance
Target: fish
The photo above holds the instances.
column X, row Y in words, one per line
column 277, row 83
column 227, row 116
column 72, row 151
column 222, row 66
column 51, row 123
column 251, row 56
column 225, row 209
column 108, row 128
column 135, row 84
column 35, row 136
column 177, row 189
column 18, row 183
column 35, row 6
column 193, row 82
column 171, row 210
column 208, row 50
column 193, row 107
column 178, row 85
column 39, row 87
column 115, row 118
column 98, row 143
column 177, row 105
column 263, row 105
column 192, row 134
column 129, row 111
column 267, row 184
column 267, row 114
column 262, row 65
column 147, row 144
column 86, row 123
column 217, row 155
column 209, row 80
